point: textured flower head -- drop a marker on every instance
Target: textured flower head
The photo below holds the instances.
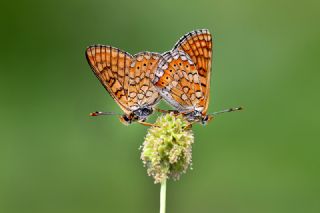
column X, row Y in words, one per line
column 167, row 149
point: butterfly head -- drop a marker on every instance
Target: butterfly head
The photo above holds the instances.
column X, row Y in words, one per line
column 140, row 114
column 206, row 119
column 126, row 119
column 198, row 116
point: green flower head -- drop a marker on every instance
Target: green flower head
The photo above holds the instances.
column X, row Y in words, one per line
column 167, row 149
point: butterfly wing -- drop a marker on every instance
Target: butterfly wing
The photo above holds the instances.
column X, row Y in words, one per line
column 141, row 91
column 198, row 45
column 178, row 81
column 111, row 66
column 125, row 77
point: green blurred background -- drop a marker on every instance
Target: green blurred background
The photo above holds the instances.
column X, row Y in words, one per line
column 55, row 158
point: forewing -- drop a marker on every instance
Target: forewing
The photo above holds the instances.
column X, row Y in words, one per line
column 198, row 45
column 178, row 81
column 141, row 90
column 111, row 66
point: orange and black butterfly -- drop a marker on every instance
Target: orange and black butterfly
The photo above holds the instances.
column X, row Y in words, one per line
column 183, row 76
column 127, row 79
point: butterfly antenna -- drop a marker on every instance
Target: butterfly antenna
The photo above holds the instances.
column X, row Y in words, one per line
column 104, row 113
column 227, row 110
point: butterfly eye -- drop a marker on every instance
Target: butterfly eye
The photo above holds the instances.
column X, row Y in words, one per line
column 180, row 64
column 126, row 118
column 144, row 64
column 138, row 67
column 187, row 66
column 205, row 120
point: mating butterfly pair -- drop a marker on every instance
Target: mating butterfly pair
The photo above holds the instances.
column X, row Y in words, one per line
column 181, row 76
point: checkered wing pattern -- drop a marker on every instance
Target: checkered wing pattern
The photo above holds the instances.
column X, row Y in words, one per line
column 198, row 45
column 178, row 81
column 183, row 74
column 125, row 77
column 141, row 91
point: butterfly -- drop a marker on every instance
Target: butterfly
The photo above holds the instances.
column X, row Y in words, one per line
column 183, row 76
column 127, row 79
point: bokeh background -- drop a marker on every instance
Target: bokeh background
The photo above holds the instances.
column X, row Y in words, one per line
column 55, row 158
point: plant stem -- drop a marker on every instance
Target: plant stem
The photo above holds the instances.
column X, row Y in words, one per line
column 163, row 197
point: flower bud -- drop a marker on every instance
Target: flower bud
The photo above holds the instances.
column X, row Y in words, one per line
column 167, row 149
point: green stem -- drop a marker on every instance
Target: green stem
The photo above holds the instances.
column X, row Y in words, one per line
column 163, row 197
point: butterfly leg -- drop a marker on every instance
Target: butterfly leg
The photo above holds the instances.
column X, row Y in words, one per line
column 147, row 124
column 189, row 126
